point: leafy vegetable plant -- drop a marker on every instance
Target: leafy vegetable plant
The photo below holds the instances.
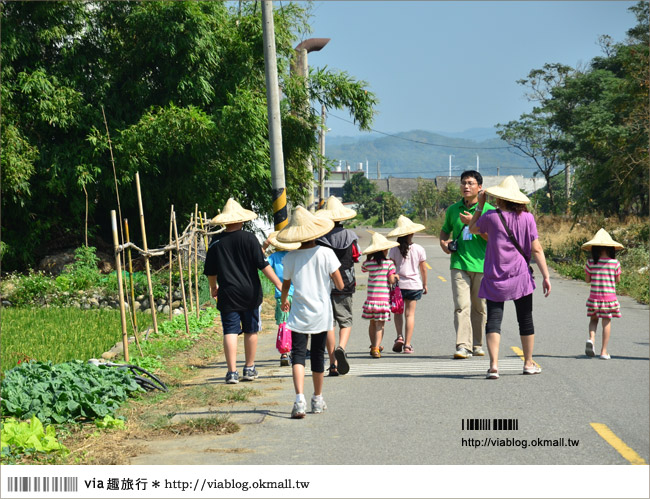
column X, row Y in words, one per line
column 20, row 436
column 65, row 392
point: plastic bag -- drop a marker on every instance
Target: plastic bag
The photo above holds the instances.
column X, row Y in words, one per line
column 396, row 300
column 283, row 341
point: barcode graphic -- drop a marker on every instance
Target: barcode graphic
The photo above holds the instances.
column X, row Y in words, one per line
column 490, row 424
column 42, row 484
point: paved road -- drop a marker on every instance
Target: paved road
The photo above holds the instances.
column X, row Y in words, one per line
column 411, row 409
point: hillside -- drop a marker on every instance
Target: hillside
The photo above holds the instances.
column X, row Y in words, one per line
column 419, row 153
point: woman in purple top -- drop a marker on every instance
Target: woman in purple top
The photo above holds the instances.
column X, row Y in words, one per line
column 506, row 272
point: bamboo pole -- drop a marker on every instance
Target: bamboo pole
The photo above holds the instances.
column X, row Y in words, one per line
column 171, row 257
column 134, row 319
column 180, row 270
column 189, row 267
column 128, row 240
column 120, row 289
column 205, row 237
column 195, row 238
column 152, row 303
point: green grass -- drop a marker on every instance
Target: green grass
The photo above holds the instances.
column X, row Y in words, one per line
column 60, row 334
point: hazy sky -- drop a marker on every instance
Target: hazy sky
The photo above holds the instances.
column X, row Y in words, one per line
column 453, row 65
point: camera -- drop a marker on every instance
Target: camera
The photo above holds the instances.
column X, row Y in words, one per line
column 452, row 246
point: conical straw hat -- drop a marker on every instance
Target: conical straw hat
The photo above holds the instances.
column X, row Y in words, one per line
column 602, row 238
column 233, row 213
column 282, row 246
column 508, row 190
column 379, row 243
column 304, row 226
column 405, row 227
column 334, row 210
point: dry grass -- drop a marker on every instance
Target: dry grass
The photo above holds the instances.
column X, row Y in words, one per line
column 555, row 231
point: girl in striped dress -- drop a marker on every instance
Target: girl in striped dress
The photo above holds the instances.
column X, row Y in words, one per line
column 603, row 271
column 381, row 274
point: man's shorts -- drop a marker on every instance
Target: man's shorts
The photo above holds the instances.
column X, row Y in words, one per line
column 411, row 294
column 342, row 308
column 241, row 321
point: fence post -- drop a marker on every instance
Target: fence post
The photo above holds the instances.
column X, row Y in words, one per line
column 120, row 289
column 152, row 303
column 180, row 270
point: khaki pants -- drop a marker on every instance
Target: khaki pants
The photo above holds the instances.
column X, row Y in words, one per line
column 469, row 310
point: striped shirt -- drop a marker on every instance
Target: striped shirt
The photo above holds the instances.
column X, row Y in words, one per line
column 603, row 278
column 378, row 287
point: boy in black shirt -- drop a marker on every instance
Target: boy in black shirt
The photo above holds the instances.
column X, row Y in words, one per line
column 231, row 265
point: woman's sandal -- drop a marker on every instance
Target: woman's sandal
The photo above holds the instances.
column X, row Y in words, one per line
column 399, row 344
column 375, row 353
column 492, row 374
column 408, row 349
column 381, row 349
column 333, row 371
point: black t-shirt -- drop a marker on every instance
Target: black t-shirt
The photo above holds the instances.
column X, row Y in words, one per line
column 235, row 257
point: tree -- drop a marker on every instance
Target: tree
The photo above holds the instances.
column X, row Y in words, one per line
column 425, row 199
column 183, row 87
column 358, row 189
column 603, row 115
column 535, row 135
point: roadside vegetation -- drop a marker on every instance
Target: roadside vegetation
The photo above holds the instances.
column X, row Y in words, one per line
column 57, row 408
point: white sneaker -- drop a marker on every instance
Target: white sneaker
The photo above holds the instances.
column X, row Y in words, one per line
column 318, row 405
column 462, row 353
column 299, row 410
column 589, row 349
column 478, row 352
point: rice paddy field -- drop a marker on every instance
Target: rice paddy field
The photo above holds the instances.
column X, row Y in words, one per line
column 59, row 334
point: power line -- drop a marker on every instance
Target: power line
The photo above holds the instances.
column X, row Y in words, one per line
column 422, row 142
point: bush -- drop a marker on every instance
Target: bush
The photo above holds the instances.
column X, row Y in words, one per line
column 83, row 272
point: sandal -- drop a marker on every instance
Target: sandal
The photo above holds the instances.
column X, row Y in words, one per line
column 399, row 343
column 492, row 374
column 375, row 353
column 333, row 371
column 408, row 349
column 381, row 349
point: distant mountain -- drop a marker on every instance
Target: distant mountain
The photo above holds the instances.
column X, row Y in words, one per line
column 419, row 153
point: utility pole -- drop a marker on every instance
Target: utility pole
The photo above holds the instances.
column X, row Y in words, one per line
column 450, row 156
column 378, row 171
column 321, row 170
column 567, row 185
column 275, row 128
column 477, row 163
column 300, row 66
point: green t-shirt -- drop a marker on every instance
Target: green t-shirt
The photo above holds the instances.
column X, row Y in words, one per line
column 471, row 253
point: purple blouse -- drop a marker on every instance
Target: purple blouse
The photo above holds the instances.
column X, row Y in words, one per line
column 505, row 273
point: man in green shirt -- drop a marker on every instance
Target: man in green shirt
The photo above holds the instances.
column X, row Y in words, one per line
column 466, row 267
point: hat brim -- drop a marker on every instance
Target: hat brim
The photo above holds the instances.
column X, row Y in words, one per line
column 337, row 215
column 234, row 218
column 405, row 231
column 379, row 247
column 507, row 194
column 613, row 244
column 282, row 246
column 299, row 234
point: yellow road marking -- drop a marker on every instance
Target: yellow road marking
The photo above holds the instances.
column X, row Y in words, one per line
column 618, row 444
column 442, row 278
column 428, row 266
column 518, row 351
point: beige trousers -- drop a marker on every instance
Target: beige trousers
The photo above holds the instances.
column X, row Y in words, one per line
column 469, row 310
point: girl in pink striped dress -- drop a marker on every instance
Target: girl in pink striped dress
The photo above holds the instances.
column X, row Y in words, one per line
column 381, row 274
column 603, row 271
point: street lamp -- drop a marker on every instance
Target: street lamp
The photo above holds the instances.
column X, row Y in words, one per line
column 301, row 67
column 450, row 156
